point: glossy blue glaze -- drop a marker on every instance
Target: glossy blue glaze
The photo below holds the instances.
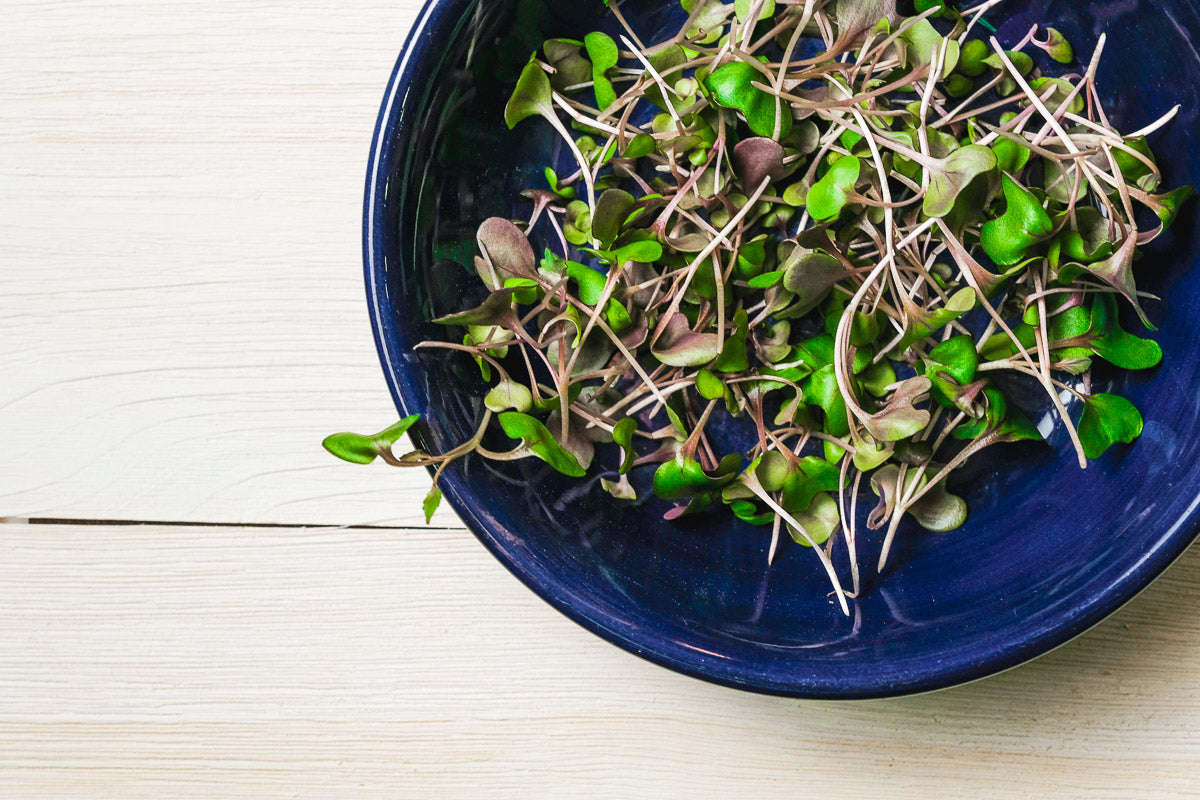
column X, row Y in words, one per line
column 1048, row 550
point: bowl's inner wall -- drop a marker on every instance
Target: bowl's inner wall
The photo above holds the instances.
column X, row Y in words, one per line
column 1048, row 547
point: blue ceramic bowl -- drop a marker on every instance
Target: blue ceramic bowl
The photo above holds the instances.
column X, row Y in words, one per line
column 1048, row 551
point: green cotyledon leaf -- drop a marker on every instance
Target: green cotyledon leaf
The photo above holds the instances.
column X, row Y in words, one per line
column 1057, row 46
column 570, row 67
column 939, row 510
column 565, row 192
column 1089, row 240
column 921, row 42
column 822, row 390
column 645, row 251
column 1136, row 170
column 623, row 436
column 956, row 305
column 810, row 477
column 359, row 449
column 621, row 489
column 1108, row 419
column 956, row 357
column 532, row 96
column 815, row 352
column 732, row 87
column 508, row 394
column 640, row 145
column 612, row 209
column 1022, row 61
column 971, row 56
column 603, row 53
column 1024, row 222
column 734, row 357
column 870, row 454
column 811, row 275
column 950, row 366
column 1167, row 206
column 771, row 470
column 431, row 503
column 709, row 385
column 831, row 193
column 1011, row 156
column 1116, row 345
column 748, row 511
column 819, row 520
column 537, row 438
column 743, row 8
column 1006, row 422
column 682, row 478
column 1062, row 90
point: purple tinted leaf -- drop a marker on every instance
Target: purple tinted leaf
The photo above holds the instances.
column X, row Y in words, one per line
column 680, row 346
column 507, row 249
column 757, row 158
column 856, row 17
column 495, row 310
column 810, row 274
column 900, row 418
column 1117, row 272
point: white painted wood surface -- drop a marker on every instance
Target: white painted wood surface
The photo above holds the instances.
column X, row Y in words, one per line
column 151, row 661
column 181, row 280
column 181, row 320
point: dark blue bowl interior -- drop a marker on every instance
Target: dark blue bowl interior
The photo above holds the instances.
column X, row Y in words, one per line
column 1049, row 550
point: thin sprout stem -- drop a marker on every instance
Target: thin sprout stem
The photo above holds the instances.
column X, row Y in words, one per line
column 705, row 253
column 756, row 487
column 583, row 163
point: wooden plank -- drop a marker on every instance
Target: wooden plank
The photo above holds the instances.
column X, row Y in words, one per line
column 150, row 661
column 182, row 316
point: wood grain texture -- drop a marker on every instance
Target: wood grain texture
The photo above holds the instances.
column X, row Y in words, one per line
column 182, row 319
column 150, row 661
column 180, row 260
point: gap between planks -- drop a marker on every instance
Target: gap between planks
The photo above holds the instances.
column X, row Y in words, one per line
column 189, row 524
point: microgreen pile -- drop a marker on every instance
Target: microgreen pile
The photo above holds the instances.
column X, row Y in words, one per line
column 863, row 233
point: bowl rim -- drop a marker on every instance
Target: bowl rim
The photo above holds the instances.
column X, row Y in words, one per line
column 996, row 656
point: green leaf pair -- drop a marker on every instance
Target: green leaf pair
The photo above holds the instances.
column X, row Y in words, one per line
column 829, row 195
column 922, row 327
column 999, row 419
column 539, row 441
column 950, row 367
column 532, row 96
column 1114, row 344
column 359, row 449
column 732, row 87
column 604, row 55
column 937, row 510
column 1023, row 224
column 683, row 478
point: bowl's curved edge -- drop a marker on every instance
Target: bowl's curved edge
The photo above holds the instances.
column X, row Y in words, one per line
column 1140, row 576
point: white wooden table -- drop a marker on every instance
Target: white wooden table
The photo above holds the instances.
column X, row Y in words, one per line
column 196, row 601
